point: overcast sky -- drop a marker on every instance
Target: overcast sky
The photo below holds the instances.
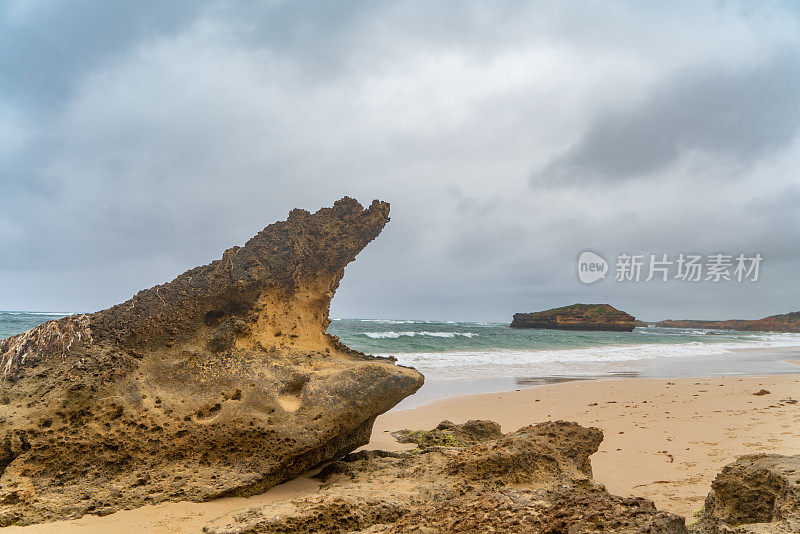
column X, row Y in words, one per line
column 139, row 139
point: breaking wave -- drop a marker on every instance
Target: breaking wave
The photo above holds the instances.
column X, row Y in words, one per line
column 395, row 335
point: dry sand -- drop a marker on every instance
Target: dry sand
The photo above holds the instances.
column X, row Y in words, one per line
column 664, row 439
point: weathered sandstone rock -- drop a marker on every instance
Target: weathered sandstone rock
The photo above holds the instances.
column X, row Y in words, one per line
column 535, row 480
column 756, row 494
column 449, row 434
column 577, row 317
column 221, row 382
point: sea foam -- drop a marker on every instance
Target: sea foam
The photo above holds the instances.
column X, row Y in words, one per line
column 395, row 335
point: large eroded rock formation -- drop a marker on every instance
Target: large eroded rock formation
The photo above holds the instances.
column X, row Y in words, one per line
column 463, row 478
column 221, row 382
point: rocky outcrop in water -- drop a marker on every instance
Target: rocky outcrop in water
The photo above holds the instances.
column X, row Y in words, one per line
column 788, row 322
column 221, row 382
column 577, row 317
column 464, row 478
column 756, row 494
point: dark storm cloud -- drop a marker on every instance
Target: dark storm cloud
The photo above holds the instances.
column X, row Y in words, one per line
column 740, row 112
column 46, row 45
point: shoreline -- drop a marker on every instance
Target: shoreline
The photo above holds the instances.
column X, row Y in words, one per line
column 751, row 361
column 665, row 439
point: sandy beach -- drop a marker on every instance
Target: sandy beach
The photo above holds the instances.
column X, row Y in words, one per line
column 664, row 439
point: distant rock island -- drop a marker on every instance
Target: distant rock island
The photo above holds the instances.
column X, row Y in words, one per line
column 788, row 322
column 577, row 317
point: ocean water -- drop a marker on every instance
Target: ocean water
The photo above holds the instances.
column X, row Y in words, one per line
column 467, row 357
column 446, row 350
column 15, row 322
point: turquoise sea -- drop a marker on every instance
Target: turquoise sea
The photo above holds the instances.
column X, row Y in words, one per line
column 478, row 356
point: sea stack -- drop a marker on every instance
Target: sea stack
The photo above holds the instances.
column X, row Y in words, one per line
column 222, row 382
column 577, row 317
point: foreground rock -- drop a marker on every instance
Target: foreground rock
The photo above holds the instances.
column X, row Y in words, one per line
column 221, row 382
column 787, row 322
column 577, row 317
column 535, row 480
column 758, row 494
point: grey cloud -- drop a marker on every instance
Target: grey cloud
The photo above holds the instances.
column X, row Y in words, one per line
column 145, row 139
column 46, row 46
column 738, row 112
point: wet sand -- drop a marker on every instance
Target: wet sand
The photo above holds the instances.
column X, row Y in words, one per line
column 665, row 439
column 753, row 361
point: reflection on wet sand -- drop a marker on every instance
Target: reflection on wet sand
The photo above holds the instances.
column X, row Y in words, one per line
column 544, row 380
